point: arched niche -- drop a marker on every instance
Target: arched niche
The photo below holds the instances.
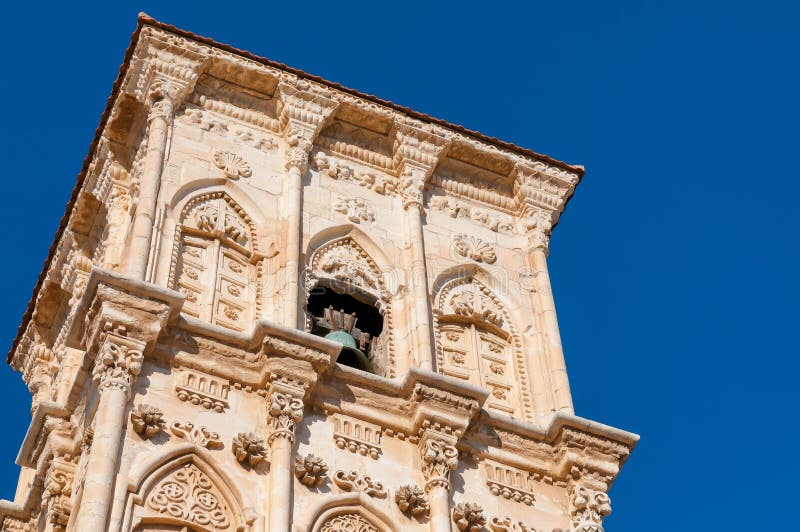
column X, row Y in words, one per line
column 341, row 275
column 184, row 492
column 347, row 512
column 478, row 341
column 217, row 261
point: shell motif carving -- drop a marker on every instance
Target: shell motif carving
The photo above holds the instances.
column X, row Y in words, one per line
column 311, row 470
column 474, row 248
column 231, row 164
column 147, row 421
column 189, row 495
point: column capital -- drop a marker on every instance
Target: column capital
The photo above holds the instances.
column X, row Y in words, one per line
column 439, row 458
column 118, row 362
column 587, row 508
column 303, row 112
column 417, row 149
column 538, row 224
column 284, row 412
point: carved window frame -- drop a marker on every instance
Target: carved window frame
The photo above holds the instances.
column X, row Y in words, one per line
column 225, row 250
column 315, row 275
column 500, row 325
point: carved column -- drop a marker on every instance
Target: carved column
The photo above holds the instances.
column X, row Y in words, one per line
column 539, row 224
column 413, row 186
column 439, row 458
column 284, row 411
column 118, row 361
column 305, row 111
column 296, row 165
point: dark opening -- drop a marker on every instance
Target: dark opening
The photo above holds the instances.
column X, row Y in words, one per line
column 332, row 312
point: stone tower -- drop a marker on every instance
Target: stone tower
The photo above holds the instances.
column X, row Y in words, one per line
column 279, row 304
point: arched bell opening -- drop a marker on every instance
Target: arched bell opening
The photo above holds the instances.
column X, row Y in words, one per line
column 353, row 318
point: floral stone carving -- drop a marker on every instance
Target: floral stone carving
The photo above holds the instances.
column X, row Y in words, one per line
column 411, row 500
column 189, row 495
column 147, row 421
column 468, row 516
column 356, row 210
column 506, row 524
column 311, row 470
column 474, row 248
column 352, row 481
column 587, row 508
column 249, row 449
column 198, row 435
column 232, row 165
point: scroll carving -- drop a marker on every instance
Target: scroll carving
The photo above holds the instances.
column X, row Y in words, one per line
column 506, row 524
column 348, row 523
column 353, row 481
column 356, row 210
column 284, row 412
column 198, row 435
column 438, row 460
column 588, row 508
column 117, row 363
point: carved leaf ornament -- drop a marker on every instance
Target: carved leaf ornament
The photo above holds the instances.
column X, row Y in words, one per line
column 189, row 495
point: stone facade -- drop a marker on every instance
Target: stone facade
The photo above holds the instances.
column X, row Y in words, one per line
column 277, row 304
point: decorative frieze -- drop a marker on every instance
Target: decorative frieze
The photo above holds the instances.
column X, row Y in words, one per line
column 353, row 481
column 506, row 524
column 481, row 216
column 198, row 435
column 201, row 389
column 357, row 436
column 508, row 482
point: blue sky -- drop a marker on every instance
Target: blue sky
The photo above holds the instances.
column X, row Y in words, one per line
column 674, row 268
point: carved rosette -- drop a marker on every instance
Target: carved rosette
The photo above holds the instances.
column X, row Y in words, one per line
column 147, row 421
column 411, row 500
column 468, row 517
column 353, row 481
column 310, row 470
column 588, row 508
column 249, row 449
column 439, row 459
column 117, row 363
column 284, row 411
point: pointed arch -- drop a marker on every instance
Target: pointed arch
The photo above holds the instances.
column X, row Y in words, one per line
column 217, row 261
column 348, row 512
column 182, row 487
column 346, row 261
column 477, row 339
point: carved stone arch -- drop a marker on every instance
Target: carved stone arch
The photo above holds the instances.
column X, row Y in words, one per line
column 338, row 259
column 181, row 488
column 477, row 339
column 348, row 512
column 218, row 261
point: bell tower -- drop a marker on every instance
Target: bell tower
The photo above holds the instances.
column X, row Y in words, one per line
column 278, row 304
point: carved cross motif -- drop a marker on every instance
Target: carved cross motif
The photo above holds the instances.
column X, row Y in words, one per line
column 189, row 495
